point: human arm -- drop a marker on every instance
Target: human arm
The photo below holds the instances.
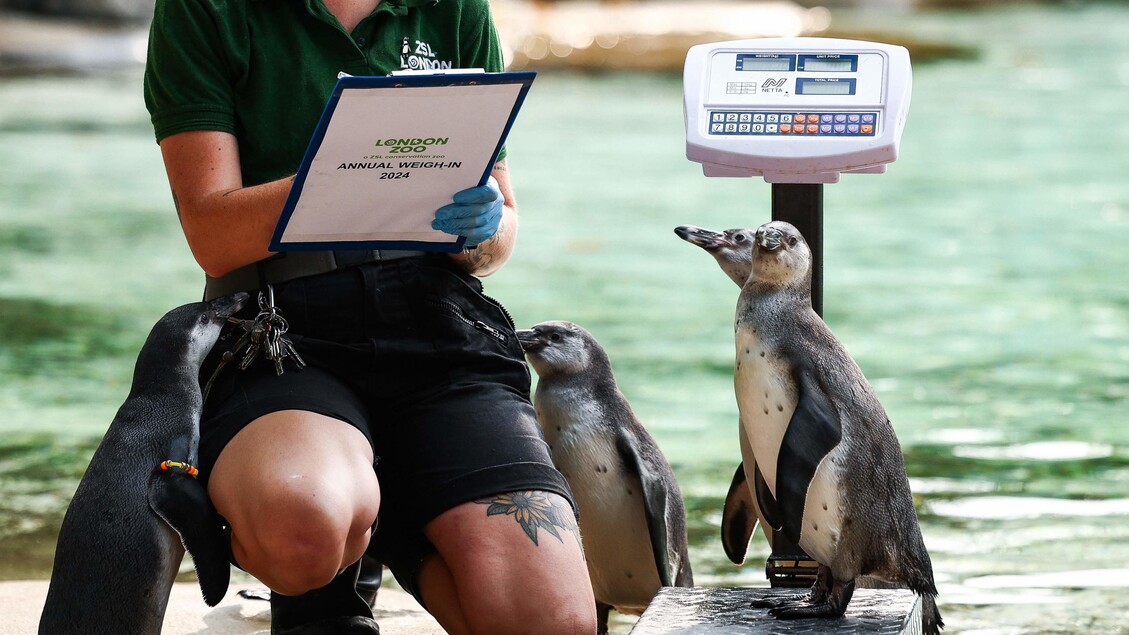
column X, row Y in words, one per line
column 226, row 224
column 489, row 255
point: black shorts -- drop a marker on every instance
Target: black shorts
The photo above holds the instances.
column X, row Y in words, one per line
column 413, row 355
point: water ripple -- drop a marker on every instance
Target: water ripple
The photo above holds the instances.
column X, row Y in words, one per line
column 1016, row 507
column 1039, row 451
column 964, row 435
column 1080, row 579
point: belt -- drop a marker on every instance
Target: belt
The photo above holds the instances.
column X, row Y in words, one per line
column 296, row 264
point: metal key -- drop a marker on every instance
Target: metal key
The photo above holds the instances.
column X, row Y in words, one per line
column 270, row 329
column 265, row 336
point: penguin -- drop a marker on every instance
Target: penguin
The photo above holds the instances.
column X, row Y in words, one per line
column 139, row 505
column 632, row 517
column 732, row 249
column 832, row 466
column 741, row 513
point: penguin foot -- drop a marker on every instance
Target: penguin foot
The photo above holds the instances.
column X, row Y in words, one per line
column 821, row 603
column 262, row 594
column 779, row 600
column 801, row 610
column 820, row 590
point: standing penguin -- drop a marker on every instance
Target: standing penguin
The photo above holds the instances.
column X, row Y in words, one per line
column 831, row 464
column 733, row 251
column 138, row 506
column 632, row 518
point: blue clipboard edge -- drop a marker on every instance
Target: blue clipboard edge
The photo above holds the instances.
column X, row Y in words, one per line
column 525, row 78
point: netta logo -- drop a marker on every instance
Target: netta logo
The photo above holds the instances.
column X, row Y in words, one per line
column 773, row 85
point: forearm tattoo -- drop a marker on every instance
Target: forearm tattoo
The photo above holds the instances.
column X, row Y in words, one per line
column 534, row 509
column 482, row 256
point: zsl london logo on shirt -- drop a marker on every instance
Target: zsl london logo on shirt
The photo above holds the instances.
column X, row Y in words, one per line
column 417, row 55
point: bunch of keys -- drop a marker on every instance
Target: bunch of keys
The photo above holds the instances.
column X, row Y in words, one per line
column 266, row 336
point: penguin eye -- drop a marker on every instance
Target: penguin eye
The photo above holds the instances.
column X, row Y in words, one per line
column 740, row 238
column 792, row 240
column 555, row 337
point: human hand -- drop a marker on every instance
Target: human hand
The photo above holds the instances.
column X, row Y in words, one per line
column 475, row 213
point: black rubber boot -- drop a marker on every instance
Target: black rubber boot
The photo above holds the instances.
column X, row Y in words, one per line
column 368, row 583
column 335, row 609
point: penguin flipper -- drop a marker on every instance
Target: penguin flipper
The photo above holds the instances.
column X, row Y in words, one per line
column 654, row 501
column 738, row 517
column 813, row 431
column 182, row 502
column 765, row 505
column 766, row 502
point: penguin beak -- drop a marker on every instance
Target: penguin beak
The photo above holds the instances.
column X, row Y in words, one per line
column 530, row 340
column 704, row 238
column 770, row 239
column 227, row 306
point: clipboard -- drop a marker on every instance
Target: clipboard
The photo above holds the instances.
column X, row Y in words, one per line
column 390, row 150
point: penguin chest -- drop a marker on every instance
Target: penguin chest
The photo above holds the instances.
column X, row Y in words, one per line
column 613, row 523
column 822, row 520
column 766, row 399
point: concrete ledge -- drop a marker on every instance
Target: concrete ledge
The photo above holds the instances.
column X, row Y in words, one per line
column 397, row 612
column 718, row 610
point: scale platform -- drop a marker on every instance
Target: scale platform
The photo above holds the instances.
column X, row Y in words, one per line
column 726, row 610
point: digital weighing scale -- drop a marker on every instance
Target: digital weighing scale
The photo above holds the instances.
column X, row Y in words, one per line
column 798, row 112
column 795, row 110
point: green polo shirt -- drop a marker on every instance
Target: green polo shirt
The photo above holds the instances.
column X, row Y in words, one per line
column 262, row 70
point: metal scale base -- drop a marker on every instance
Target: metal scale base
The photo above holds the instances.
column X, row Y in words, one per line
column 726, row 610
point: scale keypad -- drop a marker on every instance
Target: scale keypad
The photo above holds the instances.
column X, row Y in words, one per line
column 823, row 124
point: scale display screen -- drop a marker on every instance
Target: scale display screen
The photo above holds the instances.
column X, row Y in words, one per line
column 829, row 64
column 795, row 110
column 766, row 62
column 810, row 86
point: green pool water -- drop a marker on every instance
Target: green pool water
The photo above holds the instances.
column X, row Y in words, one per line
column 980, row 284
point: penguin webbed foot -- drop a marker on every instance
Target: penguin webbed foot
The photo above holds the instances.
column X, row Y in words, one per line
column 801, row 610
column 780, row 600
column 817, row 595
column 820, row 603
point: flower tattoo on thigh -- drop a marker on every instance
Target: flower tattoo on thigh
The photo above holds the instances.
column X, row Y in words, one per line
column 532, row 509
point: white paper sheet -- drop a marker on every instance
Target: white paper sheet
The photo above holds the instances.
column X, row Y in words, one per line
column 389, row 151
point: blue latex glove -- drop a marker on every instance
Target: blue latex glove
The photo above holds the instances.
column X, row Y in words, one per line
column 476, row 213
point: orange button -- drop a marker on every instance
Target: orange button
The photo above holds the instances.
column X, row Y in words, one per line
column 797, row 129
column 785, row 127
column 799, row 118
column 813, row 128
column 866, row 129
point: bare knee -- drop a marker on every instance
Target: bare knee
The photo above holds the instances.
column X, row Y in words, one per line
column 301, row 497
column 303, row 542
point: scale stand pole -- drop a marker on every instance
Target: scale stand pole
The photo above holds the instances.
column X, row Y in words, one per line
column 800, row 204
